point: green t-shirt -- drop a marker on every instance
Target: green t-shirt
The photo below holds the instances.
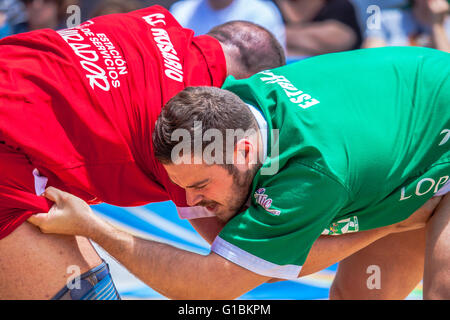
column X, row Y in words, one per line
column 356, row 140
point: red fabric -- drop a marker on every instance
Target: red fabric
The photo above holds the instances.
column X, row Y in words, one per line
column 18, row 200
column 80, row 104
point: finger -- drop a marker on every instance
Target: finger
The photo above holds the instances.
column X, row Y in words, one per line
column 54, row 194
column 38, row 219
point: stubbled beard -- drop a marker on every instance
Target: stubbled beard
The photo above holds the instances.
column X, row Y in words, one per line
column 241, row 192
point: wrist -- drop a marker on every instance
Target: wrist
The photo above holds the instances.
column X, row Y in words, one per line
column 437, row 24
column 438, row 20
column 93, row 226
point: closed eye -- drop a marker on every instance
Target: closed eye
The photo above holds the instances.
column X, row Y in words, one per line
column 199, row 184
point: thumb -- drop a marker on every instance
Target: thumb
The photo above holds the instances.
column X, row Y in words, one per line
column 38, row 219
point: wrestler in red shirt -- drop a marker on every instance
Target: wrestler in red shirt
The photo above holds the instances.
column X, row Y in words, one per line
column 77, row 110
column 78, row 106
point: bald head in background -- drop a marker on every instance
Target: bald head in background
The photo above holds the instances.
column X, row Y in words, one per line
column 248, row 48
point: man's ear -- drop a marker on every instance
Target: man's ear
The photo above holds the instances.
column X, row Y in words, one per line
column 244, row 154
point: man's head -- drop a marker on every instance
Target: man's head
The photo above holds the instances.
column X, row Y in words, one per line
column 209, row 142
column 248, row 48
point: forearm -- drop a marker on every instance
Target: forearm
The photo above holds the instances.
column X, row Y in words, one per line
column 328, row 250
column 439, row 37
column 148, row 260
column 319, row 38
column 178, row 274
column 175, row 273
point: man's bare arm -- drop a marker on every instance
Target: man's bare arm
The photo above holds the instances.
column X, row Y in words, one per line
column 319, row 38
column 439, row 37
column 433, row 14
column 173, row 272
column 328, row 250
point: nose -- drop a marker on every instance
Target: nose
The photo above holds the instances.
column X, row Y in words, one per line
column 193, row 197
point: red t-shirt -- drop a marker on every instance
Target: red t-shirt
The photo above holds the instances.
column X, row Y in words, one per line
column 81, row 103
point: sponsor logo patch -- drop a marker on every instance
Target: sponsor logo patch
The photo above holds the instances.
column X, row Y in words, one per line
column 348, row 225
column 264, row 201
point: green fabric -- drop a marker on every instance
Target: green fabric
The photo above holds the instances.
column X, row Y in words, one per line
column 360, row 146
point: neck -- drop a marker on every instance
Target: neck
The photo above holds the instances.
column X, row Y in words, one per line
column 234, row 68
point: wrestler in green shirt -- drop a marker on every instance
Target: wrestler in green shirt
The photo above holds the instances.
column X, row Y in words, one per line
column 355, row 141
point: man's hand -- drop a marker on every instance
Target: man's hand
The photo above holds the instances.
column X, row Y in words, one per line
column 418, row 219
column 431, row 12
column 69, row 215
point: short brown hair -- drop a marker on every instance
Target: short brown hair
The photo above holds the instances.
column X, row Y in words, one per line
column 214, row 108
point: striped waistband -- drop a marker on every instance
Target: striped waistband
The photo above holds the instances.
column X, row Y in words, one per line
column 95, row 284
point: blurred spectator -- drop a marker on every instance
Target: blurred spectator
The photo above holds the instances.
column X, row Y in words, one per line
column 13, row 18
column 47, row 13
column 163, row 3
column 406, row 23
column 319, row 26
column 203, row 15
column 89, row 6
column 115, row 6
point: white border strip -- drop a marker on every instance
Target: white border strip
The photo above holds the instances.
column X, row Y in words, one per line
column 262, row 124
column 444, row 190
column 193, row 212
column 254, row 263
